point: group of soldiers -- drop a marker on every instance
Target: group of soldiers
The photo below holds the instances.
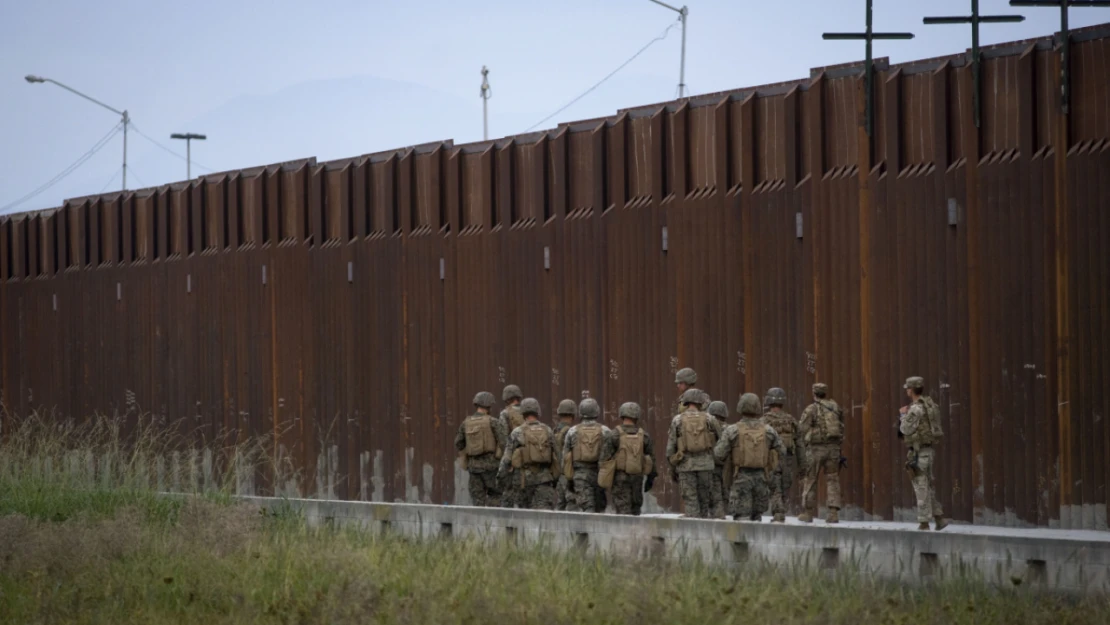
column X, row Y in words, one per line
column 721, row 468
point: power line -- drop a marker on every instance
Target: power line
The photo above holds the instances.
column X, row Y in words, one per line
column 148, row 138
column 117, row 172
column 661, row 37
column 99, row 145
column 131, row 170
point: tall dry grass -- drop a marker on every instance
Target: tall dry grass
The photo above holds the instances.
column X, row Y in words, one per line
column 79, row 547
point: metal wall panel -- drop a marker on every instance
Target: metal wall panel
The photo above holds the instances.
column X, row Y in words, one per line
column 348, row 311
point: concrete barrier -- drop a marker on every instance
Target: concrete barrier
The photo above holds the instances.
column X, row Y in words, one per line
column 1073, row 560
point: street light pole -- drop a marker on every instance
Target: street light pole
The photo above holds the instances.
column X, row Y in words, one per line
column 486, row 95
column 31, row 78
column 188, row 137
column 682, row 13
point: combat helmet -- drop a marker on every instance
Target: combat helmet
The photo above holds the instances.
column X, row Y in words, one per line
column 630, row 410
column 567, row 407
column 749, row 405
column 511, row 392
column 686, row 375
column 775, row 397
column 530, row 406
column 692, row 396
column 589, row 409
column 484, row 399
column 718, row 409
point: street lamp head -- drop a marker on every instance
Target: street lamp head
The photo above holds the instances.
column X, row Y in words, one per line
column 31, row 78
column 188, row 135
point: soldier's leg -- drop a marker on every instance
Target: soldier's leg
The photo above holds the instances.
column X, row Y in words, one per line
column 774, row 486
column 585, row 490
column 742, row 495
column 922, row 484
column 809, row 484
column 789, row 469
column 688, row 487
column 636, row 493
column 621, row 494
column 760, row 498
column 934, row 504
column 543, row 497
column 601, row 498
column 831, row 462
column 708, row 494
column 476, row 486
column 510, row 489
column 524, row 495
column 717, row 491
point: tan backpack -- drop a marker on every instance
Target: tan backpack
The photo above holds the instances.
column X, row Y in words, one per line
column 516, row 419
column 827, row 426
column 749, row 450
column 537, row 445
column 630, row 454
column 587, row 443
column 784, row 425
column 479, row 435
column 697, row 437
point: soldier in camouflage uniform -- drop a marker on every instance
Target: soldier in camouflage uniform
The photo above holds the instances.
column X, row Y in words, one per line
column 536, row 474
column 565, row 413
column 782, row 477
column 751, row 445
column 686, row 379
column 477, row 433
column 822, row 429
column 632, row 447
column 719, row 411
column 511, row 418
column 690, row 442
column 919, row 427
column 583, row 444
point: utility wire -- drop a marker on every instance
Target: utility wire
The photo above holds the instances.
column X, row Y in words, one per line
column 131, row 170
column 99, row 145
column 585, row 93
column 106, row 184
column 148, row 138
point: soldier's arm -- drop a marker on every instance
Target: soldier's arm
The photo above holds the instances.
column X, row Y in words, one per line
column 609, row 446
column 649, row 450
column 568, row 443
column 715, row 423
column 460, row 438
column 507, row 457
column 911, row 420
column 499, row 433
column 804, row 420
column 724, row 445
column 775, row 441
column 672, row 438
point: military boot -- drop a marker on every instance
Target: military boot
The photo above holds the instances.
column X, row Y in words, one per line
column 806, row 517
column 923, row 526
column 779, row 518
column 941, row 522
column 833, row 516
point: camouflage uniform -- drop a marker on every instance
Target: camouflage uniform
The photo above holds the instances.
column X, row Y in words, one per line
column 749, row 495
column 695, row 471
column 919, row 434
column 719, row 411
column 628, row 490
column 537, row 491
column 589, row 496
column 510, row 483
column 563, row 501
column 822, row 454
column 782, row 477
column 689, row 377
column 483, row 469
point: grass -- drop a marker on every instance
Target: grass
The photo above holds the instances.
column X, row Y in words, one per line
column 79, row 551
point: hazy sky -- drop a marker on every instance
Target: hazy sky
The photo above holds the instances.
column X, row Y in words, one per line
column 276, row 80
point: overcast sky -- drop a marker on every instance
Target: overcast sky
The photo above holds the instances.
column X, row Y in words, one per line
column 276, row 80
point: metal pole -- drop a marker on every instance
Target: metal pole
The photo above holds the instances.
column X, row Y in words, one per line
column 485, row 103
column 126, row 121
column 867, row 72
column 682, row 67
column 975, row 76
column 188, row 159
column 1064, row 56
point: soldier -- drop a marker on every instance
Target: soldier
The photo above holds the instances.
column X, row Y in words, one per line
column 750, row 443
column 919, row 427
column 566, row 413
column 693, row 434
column 480, row 441
column 686, row 379
column 782, row 477
column 511, row 419
column 531, row 450
column 582, row 447
column 719, row 411
column 822, row 430
column 631, row 446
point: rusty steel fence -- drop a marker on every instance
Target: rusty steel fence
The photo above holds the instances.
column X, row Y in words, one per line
column 351, row 309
